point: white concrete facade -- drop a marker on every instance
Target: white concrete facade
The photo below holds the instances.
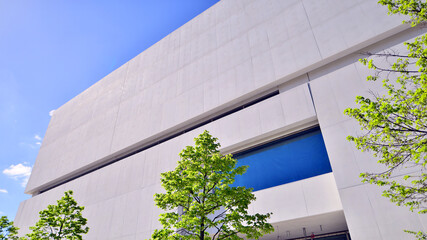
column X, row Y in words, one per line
column 234, row 52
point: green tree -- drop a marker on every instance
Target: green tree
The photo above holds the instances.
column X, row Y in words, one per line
column 7, row 230
column 211, row 208
column 61, row 221
column 415, row 9
column 395, row 124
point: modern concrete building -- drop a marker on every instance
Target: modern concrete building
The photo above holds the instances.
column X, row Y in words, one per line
column 261, row 75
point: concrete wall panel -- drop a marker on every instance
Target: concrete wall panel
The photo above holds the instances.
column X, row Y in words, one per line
column 120, row 196
column 334, row 88
column 232, row 51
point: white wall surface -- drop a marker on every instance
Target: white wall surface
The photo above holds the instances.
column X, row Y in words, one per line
column 119, row 198
column 234, row 50
column 334, row 88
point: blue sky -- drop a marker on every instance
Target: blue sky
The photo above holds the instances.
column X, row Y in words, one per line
column 51, row 50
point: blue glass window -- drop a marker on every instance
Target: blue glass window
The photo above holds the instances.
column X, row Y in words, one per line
column 283, row 161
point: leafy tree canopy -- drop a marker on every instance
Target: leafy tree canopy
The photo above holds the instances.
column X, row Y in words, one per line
column 415, row 9
column 395, row 124
column 7, row 230
column 212, row 209
column 61, row 221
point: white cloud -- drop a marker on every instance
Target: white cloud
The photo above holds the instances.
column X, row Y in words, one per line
column 38, row 143
column 37, row 137
column 3, row 190
column 51, row 113
column 18, row 172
